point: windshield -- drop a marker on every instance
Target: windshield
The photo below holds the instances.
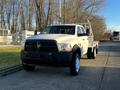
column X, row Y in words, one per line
column 115, row 33
column 59, row 30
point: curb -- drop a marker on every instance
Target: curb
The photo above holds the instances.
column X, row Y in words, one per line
column 10, row 70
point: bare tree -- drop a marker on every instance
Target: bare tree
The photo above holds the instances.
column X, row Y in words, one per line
column 98, row 26
column 30, row 14
column 8, row 8
column 20, row 15
column 39, row 4
column 2, row 9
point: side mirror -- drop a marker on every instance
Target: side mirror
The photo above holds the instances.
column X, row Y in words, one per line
column 87, row 31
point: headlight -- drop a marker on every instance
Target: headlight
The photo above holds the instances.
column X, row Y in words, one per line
column 64, row 47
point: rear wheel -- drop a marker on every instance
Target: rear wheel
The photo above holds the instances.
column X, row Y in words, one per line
column 27, row 67
column 91, row 54
column 75, row 65
column 96, row 50
column 94, row 53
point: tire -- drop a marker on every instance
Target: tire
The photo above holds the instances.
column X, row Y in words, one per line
column 96, row 50
column 75, row 65
column 94, row 53
column 91, row 54
column 28, row 67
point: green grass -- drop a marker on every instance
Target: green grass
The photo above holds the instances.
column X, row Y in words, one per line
column 9, row 56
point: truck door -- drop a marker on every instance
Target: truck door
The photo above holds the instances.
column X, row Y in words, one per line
column 82, row 40
column 86, row 42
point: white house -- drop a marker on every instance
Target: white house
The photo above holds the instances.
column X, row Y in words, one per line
column 5, row 36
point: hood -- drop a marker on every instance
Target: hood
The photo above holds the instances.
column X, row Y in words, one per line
column 58, row 37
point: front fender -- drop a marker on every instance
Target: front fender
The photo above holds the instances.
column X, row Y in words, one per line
column 76, row 48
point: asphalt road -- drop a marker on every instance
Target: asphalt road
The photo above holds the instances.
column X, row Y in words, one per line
column 103, row 73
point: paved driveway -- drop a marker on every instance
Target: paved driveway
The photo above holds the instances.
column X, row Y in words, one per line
column 103, row 73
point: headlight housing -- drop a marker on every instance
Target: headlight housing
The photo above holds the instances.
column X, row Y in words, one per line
column 64, row 47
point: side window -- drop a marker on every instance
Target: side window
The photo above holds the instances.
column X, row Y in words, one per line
column 79, row 30
column 83, row 30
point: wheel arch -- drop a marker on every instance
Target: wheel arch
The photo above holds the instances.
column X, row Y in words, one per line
column 76, row 49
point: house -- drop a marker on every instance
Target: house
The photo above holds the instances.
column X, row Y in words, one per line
column 5, row 36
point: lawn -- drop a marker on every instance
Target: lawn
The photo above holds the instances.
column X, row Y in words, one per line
column 9, row 56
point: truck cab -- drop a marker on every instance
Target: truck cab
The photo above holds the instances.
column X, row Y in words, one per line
column 57, row 45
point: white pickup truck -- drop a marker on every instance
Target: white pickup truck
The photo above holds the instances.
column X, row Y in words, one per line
column 59, row 45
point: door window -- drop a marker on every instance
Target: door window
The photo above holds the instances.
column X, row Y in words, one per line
column 79, row 31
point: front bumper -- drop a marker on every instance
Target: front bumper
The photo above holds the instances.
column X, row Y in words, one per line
column 47, row 58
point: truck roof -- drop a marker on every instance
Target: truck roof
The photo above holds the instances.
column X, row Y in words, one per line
column 64, row 25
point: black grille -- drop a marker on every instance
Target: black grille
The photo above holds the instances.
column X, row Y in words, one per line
column 41, row 45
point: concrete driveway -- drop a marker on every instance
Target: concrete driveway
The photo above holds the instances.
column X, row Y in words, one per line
column 103, row 73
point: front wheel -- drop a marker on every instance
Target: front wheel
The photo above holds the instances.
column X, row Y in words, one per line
column 75, row 65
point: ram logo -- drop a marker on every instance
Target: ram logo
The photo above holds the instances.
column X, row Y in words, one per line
column 38, row 44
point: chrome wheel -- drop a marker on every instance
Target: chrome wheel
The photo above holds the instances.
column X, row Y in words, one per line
column 95, row 52
column 77, row 63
